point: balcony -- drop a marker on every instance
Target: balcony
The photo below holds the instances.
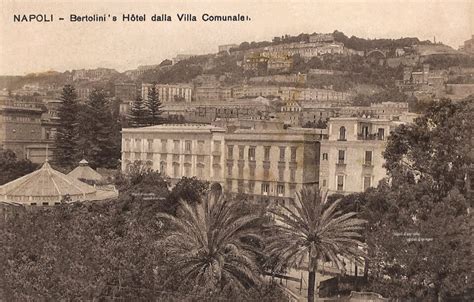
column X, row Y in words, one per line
column 368, row 164
column 368, row 137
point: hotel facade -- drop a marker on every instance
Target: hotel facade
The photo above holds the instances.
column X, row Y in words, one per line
column 266, row 164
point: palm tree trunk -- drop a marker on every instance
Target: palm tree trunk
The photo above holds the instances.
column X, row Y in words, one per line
column 311, row 285
column 312, row 281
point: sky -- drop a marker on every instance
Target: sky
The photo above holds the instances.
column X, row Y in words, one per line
column 63, row 45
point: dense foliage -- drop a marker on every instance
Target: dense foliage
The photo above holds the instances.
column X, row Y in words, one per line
column 366, row 44
column 12, row 168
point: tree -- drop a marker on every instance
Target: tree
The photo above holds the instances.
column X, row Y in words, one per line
column 418, row 233
column 98, row 132
column 192, row 190
column 312, row 231
column 12, row 168
column 437, row 148
column 65, row 153
column 138, row 116
column 153, row 106
column 206, row 243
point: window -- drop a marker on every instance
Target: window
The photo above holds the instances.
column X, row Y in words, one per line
column 381, row 134
column 251, row 187
column 325, row 156
column 163, row 145
column 293, row 154
column 241, row 171
column 342, row 133
column 230, row 152
column 176, row 146
column 200, row 158
column 137, row 144
column 200, row 146
column 240, row 186
column 216, row 159
column 187, row 170
column 292, row 175
column 252, row 172
column 187, row 146
column 340, row 182
column 368, row 158
column 281, row 174
column 367, row 182
column 266, row 154
column 150, row 145
column 200, row 171
column 217, row 146
column 241, row 152
column 365, row 131
column 342, row 155
column 229, row 171
column 324, row 183
column 176, row 170
column 229, row 185
column 217, row 171
column 163, row 167
column 46, row 203
column 252, row 153
column 265, row 188
column 282, row 153
column 281, row 189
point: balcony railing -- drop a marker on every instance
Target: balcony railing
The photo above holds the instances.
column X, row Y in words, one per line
column 371, row 136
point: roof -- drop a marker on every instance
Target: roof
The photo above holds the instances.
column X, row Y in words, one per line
column 45, row 184
column 83, row 171
column 176, row 128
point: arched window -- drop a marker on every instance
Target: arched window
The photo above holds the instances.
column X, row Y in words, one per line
column 342, row 133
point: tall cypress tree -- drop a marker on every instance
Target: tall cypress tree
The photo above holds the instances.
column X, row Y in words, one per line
column 153, row 105
column 66, row 132
column 139, row 113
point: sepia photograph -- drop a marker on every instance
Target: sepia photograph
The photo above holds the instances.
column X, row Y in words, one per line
column 236, row 150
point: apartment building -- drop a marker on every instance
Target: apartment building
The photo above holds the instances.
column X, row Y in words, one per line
column 264, row 161
column 168, row 93
column 351, row 158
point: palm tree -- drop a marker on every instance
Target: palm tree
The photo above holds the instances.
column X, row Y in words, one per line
column 312, row 230
column 210, row 244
